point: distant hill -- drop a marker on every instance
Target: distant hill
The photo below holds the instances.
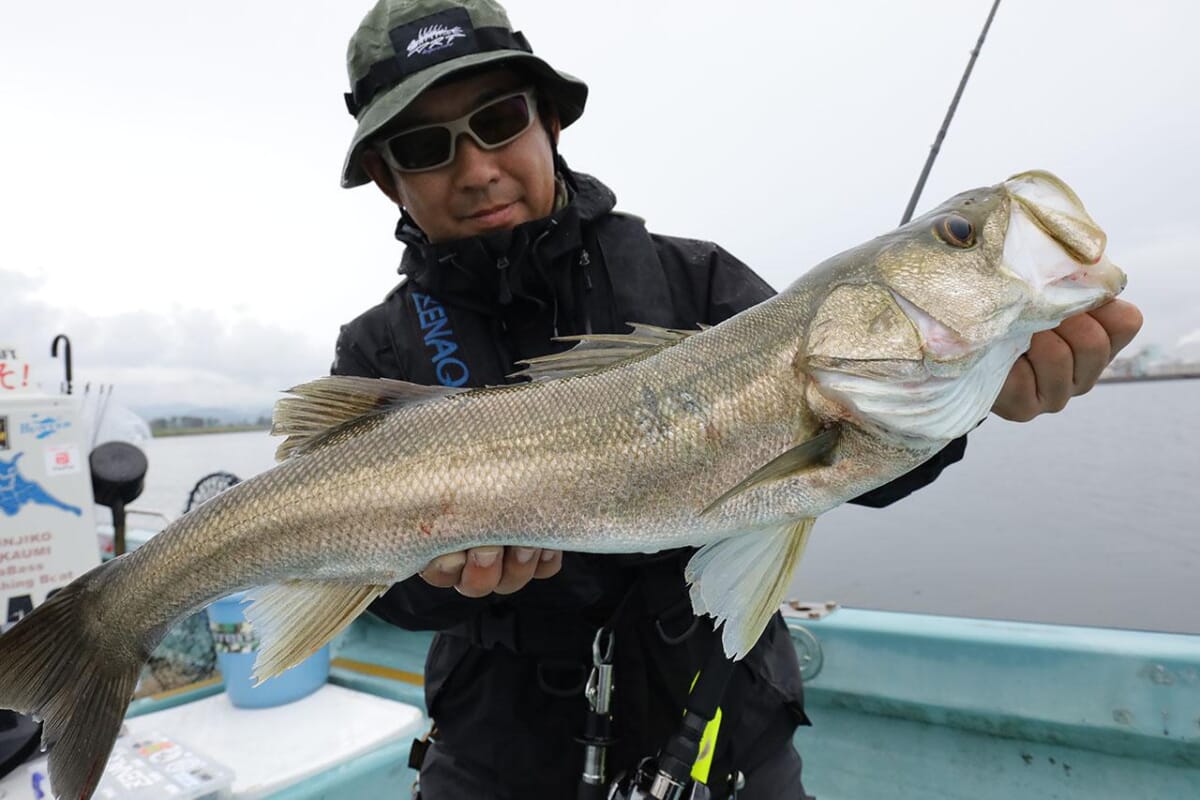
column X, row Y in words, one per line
column 213, row 414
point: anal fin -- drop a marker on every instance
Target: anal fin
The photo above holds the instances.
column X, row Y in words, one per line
column 740, row 581
column 297, row 618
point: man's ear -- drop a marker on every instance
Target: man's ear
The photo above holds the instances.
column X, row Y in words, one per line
column 380, row 173
column 549, row 119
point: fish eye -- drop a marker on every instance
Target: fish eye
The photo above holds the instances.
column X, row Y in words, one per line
column 955, row 230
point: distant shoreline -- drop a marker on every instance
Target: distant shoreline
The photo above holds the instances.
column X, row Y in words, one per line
column 208, row 429
column 166, row 432
column 1183, row 376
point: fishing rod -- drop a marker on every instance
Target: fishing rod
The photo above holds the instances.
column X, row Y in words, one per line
column 941, row 134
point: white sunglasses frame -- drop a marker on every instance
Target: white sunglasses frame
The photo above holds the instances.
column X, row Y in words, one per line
column 458, row 127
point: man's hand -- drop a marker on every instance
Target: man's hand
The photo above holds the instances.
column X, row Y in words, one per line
column 483, row 570
column 1067, row 361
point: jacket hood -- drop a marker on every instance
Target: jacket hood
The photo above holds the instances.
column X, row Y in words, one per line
column 497, row 271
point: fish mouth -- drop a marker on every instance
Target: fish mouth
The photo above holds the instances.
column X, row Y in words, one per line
column 1055, row 247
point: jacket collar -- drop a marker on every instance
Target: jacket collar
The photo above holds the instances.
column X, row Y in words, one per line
column 506, row 268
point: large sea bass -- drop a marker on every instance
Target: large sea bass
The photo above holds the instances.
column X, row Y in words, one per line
column 732, row 439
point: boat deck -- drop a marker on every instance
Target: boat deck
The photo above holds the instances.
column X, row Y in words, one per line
column 910, row 707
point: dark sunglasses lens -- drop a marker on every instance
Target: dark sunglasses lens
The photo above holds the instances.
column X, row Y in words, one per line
column 502, row 120
column 420, row 149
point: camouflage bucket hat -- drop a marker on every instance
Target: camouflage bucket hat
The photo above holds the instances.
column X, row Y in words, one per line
column 403, row 47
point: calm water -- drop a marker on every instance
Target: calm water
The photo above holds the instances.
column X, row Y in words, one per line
column 177, row 463
column 1087, row 517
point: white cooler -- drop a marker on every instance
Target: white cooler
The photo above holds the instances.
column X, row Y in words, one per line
column 234, row 752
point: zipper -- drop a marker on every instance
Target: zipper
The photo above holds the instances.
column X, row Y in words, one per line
column 505, row 296
column 585, row 261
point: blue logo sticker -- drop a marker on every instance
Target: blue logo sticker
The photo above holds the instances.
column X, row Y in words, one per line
column 44, row 427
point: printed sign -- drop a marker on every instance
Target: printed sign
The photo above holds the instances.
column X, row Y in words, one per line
column 47, row 515
column 14, row 372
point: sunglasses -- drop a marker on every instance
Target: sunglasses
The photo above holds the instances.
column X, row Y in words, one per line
column 492, row 125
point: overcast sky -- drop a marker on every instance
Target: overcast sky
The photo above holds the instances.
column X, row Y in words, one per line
column 169, row 172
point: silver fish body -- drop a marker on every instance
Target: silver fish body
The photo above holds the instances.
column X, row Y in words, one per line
column 731, row 439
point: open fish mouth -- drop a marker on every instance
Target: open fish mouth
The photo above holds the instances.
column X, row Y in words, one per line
column 1056, row 248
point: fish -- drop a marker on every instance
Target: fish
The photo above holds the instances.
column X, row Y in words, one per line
column 731, row 439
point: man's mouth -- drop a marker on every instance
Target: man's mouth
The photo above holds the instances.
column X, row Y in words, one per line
column 492, row 215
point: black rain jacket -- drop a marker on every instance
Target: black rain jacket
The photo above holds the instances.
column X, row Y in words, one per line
column 505, row 674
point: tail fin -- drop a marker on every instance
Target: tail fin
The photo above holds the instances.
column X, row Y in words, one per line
column 52, row 666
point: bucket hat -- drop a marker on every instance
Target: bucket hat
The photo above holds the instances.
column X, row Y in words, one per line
column 403, row 47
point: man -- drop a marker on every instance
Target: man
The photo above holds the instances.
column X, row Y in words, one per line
column 458, row 125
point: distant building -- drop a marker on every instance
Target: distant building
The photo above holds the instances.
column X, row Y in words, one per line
column 1154, row 361
column 1187, row 349
column 1137, row 365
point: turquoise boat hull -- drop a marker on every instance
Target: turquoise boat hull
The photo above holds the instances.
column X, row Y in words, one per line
column 907, row 707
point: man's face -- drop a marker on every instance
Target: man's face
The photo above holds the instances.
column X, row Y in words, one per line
column 480, row 190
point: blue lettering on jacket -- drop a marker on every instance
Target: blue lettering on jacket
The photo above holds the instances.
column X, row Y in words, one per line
column 431, row 316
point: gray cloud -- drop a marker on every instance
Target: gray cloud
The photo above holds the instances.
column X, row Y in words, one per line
column 194, row 213
column 182, row 356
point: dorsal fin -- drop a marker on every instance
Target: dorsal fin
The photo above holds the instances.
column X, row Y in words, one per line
column 324, row 405
column 597, row 351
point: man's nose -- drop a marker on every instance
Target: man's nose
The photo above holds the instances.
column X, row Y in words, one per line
column 473, row 166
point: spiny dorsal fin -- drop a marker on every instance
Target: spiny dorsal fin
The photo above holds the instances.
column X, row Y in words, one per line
column 598, row 351
column 323, row 405
column 740, row 581
column 807, row 454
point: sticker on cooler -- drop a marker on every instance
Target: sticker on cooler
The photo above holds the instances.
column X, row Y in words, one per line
column 233, row 637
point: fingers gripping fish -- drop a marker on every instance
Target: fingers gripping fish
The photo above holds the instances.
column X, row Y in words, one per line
column 732, row 439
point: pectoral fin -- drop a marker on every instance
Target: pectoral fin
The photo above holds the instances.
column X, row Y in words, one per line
column 297, row 618
column 741, row 581
column 810, row 453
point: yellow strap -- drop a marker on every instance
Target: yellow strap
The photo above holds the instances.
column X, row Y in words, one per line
column 708, row 744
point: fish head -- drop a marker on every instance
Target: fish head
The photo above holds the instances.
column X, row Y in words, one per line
column 946, row 303
column 996, row 263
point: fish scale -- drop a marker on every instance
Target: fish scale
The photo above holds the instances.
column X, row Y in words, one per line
column 732, row 439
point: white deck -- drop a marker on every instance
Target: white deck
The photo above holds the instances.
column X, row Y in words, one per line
column 269, row 749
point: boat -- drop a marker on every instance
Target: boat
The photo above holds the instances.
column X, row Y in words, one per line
column 904, row 705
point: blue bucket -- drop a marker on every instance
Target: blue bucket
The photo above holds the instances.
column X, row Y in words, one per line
column 236, row 644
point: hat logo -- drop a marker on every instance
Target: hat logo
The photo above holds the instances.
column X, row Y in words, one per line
column 433, row 38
